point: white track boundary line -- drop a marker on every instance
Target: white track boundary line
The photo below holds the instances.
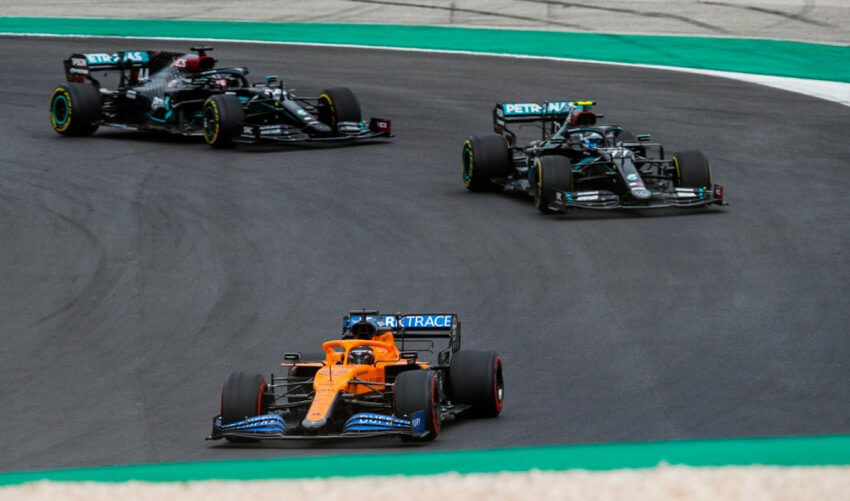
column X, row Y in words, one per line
column 838, row 92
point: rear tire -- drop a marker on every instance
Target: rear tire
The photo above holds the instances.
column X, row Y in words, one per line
column 74, row 109
column 337, row 105
column 485, row 158
column 692, row 170
column 415, row 391
column 549, row 175
column 475, row 379
column 223, row 117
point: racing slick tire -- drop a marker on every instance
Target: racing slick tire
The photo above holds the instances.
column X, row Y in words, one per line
column 74, row 109
column 418, row 390
column 337, row 105
column 223, row 117
column 485, row 158
column 692, row 170
column 549, row 175
column 475, row 379
column 242, row 398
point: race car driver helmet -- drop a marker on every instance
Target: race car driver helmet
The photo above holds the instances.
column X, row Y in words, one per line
column 361, row 355
column 363, row 330
column 592, row 139
column 225, row 81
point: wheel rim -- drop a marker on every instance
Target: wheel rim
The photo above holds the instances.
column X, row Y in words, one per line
column 498, row 384
column 435, row 406
column 678, row 179
column 538, row 184
column 326, row 111
column 60, row 110
column 466, row 167
column 211, row 124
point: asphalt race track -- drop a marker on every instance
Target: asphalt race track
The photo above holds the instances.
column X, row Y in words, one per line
column 136, row 270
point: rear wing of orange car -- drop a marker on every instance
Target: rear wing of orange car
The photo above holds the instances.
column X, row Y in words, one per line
column 412, row 327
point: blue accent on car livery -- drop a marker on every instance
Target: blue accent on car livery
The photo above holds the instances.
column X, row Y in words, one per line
column 417, row 422
column 370, row 422
column 267, row 423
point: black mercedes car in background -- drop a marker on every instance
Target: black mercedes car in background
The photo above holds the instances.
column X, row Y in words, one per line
column 186, row 94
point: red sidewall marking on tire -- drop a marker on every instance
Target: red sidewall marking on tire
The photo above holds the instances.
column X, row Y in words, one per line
column 434, row 406
column 260, row 397
column 497, row 366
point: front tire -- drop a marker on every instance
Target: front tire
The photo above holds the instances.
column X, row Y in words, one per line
column 476, row 379
column 243, row 397
column 485, row 158
column 74, row 109
column 415, row 391
column 337, row 105
column 692, row 170
column 550, row 175
column 223, row 117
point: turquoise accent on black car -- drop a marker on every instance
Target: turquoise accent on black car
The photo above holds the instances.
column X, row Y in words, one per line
column 64, row 113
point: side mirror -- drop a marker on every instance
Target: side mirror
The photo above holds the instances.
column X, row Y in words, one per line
column 270, row 79
column 643, row 137
column 294, row 357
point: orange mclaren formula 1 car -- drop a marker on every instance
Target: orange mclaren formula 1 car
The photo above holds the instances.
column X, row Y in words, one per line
column 375, row 381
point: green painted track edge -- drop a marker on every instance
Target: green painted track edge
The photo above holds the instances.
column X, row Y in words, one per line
column 755, row 56
column 784, row 451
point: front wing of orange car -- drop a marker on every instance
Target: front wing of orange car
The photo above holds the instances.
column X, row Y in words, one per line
column 361, row 425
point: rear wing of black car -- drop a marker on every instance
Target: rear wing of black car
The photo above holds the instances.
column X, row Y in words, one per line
column 79, row 67
column 547, row 114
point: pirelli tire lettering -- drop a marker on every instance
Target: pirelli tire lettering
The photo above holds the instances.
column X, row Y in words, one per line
column 75, row 109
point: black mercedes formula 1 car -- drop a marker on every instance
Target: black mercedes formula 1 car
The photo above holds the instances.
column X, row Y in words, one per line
column 580, row 164
column 383, row 377
column 186, row 94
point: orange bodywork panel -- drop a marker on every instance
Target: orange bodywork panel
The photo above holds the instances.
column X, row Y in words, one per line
column 337, row 375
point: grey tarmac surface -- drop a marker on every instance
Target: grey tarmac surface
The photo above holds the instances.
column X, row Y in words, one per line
column 138, row 270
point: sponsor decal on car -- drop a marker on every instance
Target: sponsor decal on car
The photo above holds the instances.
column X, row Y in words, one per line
column 104, row 58
column 411, row 321
column 269, row 129
column 512, row 109
column 417, row 422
